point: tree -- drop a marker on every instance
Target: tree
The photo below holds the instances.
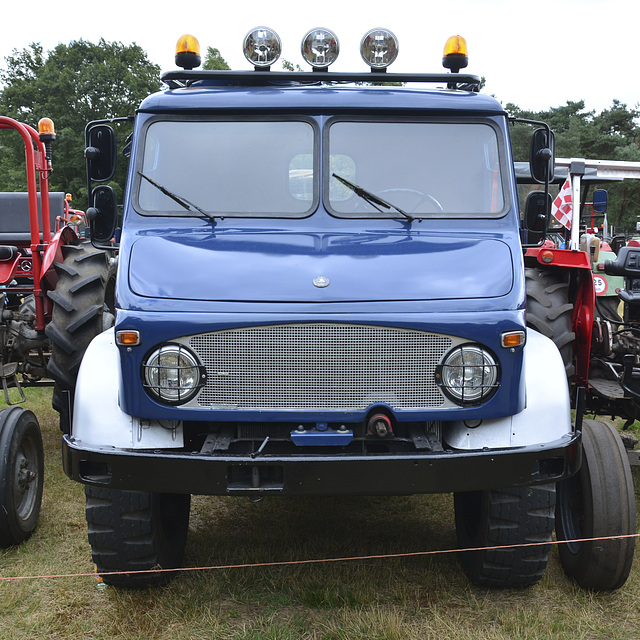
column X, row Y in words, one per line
column 613, row 134
column 214, row 61
column 73, row 84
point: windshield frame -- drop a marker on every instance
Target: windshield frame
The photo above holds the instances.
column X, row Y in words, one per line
column 503, row 166
column 184, row 192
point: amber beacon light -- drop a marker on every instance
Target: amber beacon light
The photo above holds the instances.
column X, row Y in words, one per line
column 455, row 55
column 188, row 52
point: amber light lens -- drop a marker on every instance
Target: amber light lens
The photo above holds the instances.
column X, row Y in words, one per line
column 456, row 45
column 455, row 55
column 128, row 338
column 512, row 339
column 188, row 52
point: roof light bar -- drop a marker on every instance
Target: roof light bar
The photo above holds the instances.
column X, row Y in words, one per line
column 379, row 48
column 320, row 48
column 262, row 47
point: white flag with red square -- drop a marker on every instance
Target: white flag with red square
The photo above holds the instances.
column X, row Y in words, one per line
column 562, row 207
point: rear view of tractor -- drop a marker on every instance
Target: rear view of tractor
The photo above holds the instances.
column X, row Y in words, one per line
column 42, row 258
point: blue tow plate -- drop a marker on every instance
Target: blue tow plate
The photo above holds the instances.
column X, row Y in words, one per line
column 325, row 438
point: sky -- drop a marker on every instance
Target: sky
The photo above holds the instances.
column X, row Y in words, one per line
column 536, row 55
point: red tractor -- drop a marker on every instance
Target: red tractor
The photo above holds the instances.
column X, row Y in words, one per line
column 42, row 259
column 601, row 353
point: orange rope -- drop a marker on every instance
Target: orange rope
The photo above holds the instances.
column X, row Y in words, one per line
column 317, row 561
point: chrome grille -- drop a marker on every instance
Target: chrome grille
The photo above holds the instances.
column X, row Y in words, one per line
column 319, row 366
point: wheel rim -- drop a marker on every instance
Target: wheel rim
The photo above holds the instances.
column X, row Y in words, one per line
column 25, row 485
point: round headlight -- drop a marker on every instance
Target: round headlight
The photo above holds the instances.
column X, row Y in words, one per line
column 172, row 374
column 320, row 48
column 468, row 375
column 379, row 48
column 262, row 46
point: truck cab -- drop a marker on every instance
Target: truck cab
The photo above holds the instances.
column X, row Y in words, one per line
column 320, row 291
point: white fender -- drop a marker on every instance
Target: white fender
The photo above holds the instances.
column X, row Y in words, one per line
column 97, row 417
column 547, row 414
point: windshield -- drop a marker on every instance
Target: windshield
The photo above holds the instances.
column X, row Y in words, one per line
column 430, row 169
column 270, row 168
column 228, row 168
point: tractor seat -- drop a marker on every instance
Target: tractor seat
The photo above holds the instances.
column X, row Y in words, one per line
column 14, row 216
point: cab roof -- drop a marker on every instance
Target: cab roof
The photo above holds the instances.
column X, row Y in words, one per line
column 229, row 90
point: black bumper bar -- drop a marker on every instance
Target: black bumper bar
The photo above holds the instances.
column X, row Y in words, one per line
column 164, row 471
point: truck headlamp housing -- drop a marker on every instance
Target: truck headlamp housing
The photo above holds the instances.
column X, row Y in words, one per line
column 468, row 375
column 379, row 48
column 320, row 48
column 262, row 47
column 172, row 374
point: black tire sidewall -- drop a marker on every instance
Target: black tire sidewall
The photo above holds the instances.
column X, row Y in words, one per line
column 599, row 502
column 18, row 425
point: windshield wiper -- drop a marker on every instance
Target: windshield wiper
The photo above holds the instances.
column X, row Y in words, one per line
column 183, row 202
column 371, row 198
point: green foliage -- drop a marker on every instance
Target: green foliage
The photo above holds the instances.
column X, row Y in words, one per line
column 214, row 61
column 613, row 134
column 288, row 66
column 73, row 84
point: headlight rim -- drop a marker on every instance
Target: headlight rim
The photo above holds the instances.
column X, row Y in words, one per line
column 487, row 391
column 153, row 390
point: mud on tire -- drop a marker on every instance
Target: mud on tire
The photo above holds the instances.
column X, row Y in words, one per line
column 83, row 307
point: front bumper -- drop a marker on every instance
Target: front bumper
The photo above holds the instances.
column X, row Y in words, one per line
column 321, row 474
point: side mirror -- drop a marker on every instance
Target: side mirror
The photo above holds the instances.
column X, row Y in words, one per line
column 103, row 215
column 535, row 211
column 100, row 153
column 600, row 201
column 542, row 153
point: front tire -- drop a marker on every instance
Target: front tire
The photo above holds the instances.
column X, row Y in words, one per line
column 21, row 475
column 496, row 518
column 596, row 503
column 83, row 307
column 136, row 531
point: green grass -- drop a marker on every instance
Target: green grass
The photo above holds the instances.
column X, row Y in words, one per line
column 374, row 599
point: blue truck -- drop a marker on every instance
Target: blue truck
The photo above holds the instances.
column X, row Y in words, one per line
column 321, row 291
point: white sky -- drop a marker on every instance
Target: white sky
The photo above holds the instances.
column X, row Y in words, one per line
column 536, row 54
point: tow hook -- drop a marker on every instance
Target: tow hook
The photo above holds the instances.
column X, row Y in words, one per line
column 380, row 425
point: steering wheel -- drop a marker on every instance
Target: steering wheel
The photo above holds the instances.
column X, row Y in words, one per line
column 422, row 197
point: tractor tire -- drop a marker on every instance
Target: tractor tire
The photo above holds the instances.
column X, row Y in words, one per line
column 21, row 475
column 495, row 518
column 550, row 313
column 136, row 531
column 596, row 503
column 83, row 307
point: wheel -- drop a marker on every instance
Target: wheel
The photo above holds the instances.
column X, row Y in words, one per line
column 550, row 313
column 493, row 518
column 83, row 307
column 598, row 502
column 136, row 531
column 21, row 475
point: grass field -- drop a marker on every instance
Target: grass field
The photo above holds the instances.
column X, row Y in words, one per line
column 375, row 599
